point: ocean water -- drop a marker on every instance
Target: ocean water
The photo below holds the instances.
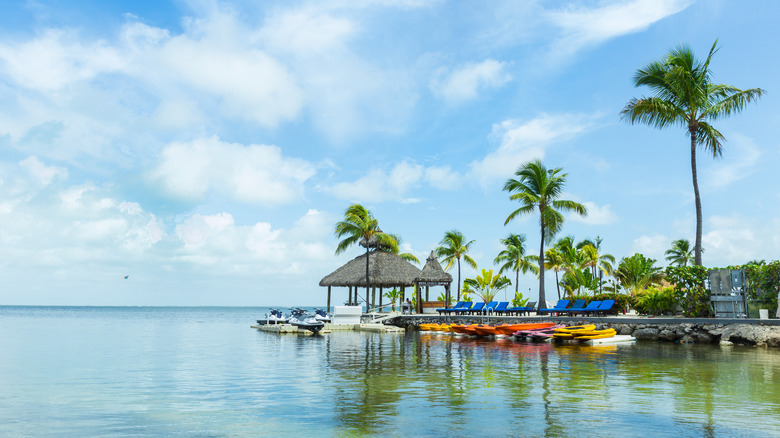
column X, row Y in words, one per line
column 203, row 372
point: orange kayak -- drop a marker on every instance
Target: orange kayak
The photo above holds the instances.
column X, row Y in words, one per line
column 508, row 329
column 486, row 330
column 459, row 328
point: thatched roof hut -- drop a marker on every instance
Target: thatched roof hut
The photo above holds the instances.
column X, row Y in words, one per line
column 385, row 269
column 433, row 275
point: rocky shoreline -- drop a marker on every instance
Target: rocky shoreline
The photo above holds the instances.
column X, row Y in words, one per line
column 760, row 333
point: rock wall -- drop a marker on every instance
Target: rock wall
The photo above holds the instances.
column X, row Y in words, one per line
column 684, row 332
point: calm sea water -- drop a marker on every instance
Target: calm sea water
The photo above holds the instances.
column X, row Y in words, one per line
column 203, row 372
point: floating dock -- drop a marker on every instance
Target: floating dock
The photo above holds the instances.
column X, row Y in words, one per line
column 617, row 339
column 291, row 329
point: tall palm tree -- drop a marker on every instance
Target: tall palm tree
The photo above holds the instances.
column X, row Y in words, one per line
column 597, row 261
column 514, row 259
column 681, row 253
column 685, row 96
column 452, row 248
column 360, row 226
column 537, row 188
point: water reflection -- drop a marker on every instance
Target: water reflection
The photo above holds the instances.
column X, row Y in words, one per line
column 435, row 381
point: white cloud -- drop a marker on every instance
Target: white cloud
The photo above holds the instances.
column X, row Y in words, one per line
column 583, row 26
column 394, row 185
column 57, row 59
column 306, row 31
column 464, row 83
column 652, row 246
column 740, row 158
column 41, row 173
column 597, row 215
column 255, row 173
column 522, row 141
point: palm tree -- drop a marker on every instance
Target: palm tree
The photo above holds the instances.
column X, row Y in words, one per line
column 452, row 247
column 360, row 226
column 594, row 259
column 685, row 96
column 409, row 257
column 487, row 285
column 637, row 272
column 681, row 253
column 514, row 259
column 538, row 188
column 554, row 260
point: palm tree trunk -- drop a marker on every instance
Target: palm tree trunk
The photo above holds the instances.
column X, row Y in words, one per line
column 558, row 284
column 697, row 247
column 542, row 298
column 368, row 283
column 517, row 281
column 458, row 278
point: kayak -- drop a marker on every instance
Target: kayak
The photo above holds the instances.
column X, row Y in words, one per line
column 509, row 329
column 572, row 331
column 546, row 332
column 459, row 328
column 597, row 334
column 486, row 330
column 430, row 327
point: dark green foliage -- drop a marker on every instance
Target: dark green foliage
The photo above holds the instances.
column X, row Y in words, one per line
column 689, row 284
column 763, row 283
column 621, row 300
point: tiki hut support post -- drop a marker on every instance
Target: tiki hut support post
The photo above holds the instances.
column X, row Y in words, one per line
column 328, row 309
column 427, row 293
column 380, row 297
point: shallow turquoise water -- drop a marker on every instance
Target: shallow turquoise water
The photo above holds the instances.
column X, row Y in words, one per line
column 117, row 372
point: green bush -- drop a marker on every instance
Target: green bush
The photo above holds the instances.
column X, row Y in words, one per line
column 622, row 301
column 689, row 284
column 657, row 301
column 763, row 283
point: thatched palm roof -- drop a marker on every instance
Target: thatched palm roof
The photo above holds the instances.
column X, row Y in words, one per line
column 385, row 270
column 432, row 273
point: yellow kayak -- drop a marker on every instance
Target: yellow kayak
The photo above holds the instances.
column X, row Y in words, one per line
column 576, row 328
column 596, row 334
column 430, row 327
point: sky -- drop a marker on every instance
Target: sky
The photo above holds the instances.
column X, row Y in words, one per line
column 206, row 149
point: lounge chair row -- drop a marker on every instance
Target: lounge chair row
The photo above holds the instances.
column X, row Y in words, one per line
column 579, row 307
column 494, row 307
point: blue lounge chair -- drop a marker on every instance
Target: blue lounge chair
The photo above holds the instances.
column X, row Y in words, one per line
column 490, row 307
column 458, row 305
column 501, row 308
column 561, row 305
column 591, row 307
column 522, row 310
column 604, row 307
column 579, row 304
column 476, row 309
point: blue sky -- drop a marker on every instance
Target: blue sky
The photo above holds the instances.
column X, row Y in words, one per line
column 207, row 149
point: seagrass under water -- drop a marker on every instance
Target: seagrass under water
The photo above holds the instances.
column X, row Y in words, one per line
column 73, row 372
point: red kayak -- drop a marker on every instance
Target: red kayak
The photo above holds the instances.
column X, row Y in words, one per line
column 540, row 333
column 508, row 329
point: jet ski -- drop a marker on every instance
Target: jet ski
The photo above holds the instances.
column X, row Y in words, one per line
column 321, row 315
column 275, row 316
column 302, row 320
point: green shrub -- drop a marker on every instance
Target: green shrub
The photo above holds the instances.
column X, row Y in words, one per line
column 622, row 301
column 763, row 283
column 657, row 301
column 689, row 284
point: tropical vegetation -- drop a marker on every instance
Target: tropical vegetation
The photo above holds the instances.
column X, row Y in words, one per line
column 681, row 253
column 359, row 225
column 513, row 258
column 486, row 285
column 451, row 249
column 685, row 96
column 538, row 188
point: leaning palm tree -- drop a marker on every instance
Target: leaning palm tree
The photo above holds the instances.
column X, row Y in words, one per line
column 452, row 248
column 538, row 188
column 685, row 96
column 681, row 253
column 360, row 226
column 514, row 259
